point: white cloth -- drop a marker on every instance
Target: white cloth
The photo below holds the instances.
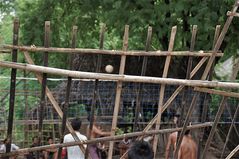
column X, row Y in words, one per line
column 3, row 148
column 74, row 152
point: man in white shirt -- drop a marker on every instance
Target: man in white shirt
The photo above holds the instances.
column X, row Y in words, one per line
column 13, row 147
column 74, row 152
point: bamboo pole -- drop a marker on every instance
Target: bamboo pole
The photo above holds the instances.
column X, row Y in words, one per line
column 218, row 92
column 68, row 90
column 233, row 152
column 44, row 81
column 104, row 139
column 206, row 96
column 93, row 105
column 162, row 87
column 35, row 49
column 54, row 102
column 204, row 76
column 189, row 70
column 118, row 90
column 143, row 72
column 16, row 26
column 125, row 78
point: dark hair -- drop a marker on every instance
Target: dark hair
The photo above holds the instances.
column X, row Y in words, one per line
column 140, row 150
column 76, row 124
column 49, row 138
column 187, row 132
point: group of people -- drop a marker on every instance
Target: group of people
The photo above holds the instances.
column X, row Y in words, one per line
column 136, row 150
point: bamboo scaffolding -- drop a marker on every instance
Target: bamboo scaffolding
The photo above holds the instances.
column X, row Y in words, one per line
column 104, row 139
column 16, row 26
column 119, row 90
column 125, row 78
column 54, row 102
column 162, row 87
column 222, row 105
column 204, row 76
column 35, row 49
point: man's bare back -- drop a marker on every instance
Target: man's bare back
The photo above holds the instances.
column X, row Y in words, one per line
column 172, row 139
column 188, row 148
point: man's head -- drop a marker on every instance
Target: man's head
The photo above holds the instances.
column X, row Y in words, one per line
column 89, row 118
column 76, row 124
column 35, row 140
column 50, row 140
column 140, row 150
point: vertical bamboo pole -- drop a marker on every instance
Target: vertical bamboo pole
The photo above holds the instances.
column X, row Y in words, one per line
column 204, row 76
column 68, row 90
column 44, row 81
column 12, row 85
column 189, row 69
column 93, row 105
column 143, row 72
column 119, row 90
column 162, row 87
column 206, row 98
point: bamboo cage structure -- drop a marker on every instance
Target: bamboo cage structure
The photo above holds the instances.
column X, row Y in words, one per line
column 202, row 85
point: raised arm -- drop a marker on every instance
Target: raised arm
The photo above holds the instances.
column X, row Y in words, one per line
column 100, row 132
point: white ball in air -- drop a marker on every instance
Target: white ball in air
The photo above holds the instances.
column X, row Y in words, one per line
column 109, row 68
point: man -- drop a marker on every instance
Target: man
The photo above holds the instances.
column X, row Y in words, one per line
column 172, row 139
column 74, row 152
column 52, row 152
column 35, row 154
column 13, row 147
column 140, row 150
column 188, row 147
column 95, row 132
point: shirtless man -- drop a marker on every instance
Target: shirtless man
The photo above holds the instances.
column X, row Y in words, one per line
column 95, row 132
column 188, row 147
column 172, row 139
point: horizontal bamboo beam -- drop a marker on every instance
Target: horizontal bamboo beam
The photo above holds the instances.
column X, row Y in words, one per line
column 103, row 139
column 5, row 51
column 124, row 78
column 111, row 52
column 218, row 92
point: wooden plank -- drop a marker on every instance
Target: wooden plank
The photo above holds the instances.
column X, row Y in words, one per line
column 16, row 26
column 204, row 76
column 201, row 53
column 125, row 78
column 54, row 102
column 162, row 87
column 44, row 81
column 143, row 72
column 104, row 139
column 118, row 90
